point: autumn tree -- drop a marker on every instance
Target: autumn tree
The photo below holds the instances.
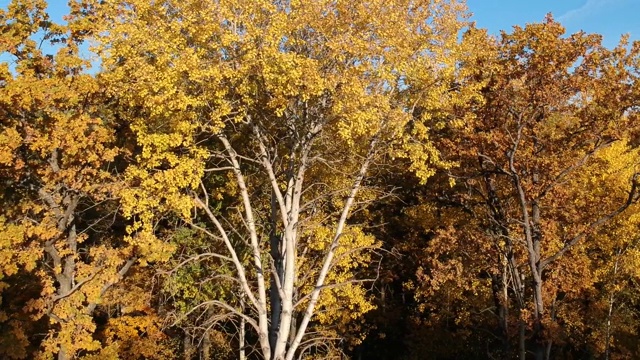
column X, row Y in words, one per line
column 547, row 163
column 252, row 178
column 257, row 122
column 59, row 187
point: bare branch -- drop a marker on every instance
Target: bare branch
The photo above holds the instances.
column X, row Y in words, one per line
column 276, row 277
column 330, row 254
column 196, row 258
column 224, row 168
column 571, row 168
column 234, row 256
column 633, row 197
column 223, row 305
column 76, row 287
column 272, row 177
column 48, row 198
column 333, row 286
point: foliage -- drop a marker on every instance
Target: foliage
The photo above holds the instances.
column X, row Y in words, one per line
column 314, row 179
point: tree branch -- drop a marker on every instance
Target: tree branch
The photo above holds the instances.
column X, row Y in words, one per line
column 633, row 197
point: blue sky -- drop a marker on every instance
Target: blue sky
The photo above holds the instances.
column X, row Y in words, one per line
column 610, row 18
column 57, row 9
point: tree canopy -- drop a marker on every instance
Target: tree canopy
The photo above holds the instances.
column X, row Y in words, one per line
column 318, row 179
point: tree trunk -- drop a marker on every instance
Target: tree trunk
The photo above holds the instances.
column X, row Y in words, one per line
column 607, row 349
column 241, row 340
column 274, row 293
column 62, row 354
column 205, row 349
column 536, row 237
column 501, row 303
column 187, row 346
column 522, row 348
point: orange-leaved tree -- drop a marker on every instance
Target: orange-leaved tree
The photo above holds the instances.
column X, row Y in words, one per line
column 547, row 162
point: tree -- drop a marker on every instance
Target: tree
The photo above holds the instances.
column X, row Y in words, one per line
column 59, row 187
column 554, row 137
column 256, row 124
column 252, row 178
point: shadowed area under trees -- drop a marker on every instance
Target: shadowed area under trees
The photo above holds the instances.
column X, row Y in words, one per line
column 256, row 179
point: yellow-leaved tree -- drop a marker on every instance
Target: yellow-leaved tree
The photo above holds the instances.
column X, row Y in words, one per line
column 256, row 123
column 59, row 186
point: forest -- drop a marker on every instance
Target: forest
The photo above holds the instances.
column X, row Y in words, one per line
column 314, row 179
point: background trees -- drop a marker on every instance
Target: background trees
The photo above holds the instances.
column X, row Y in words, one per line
column 282, row 180
column 553, row 139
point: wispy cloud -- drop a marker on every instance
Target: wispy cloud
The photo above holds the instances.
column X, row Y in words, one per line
column 591, row 7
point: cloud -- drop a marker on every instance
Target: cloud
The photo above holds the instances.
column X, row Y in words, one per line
column 591, row 7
